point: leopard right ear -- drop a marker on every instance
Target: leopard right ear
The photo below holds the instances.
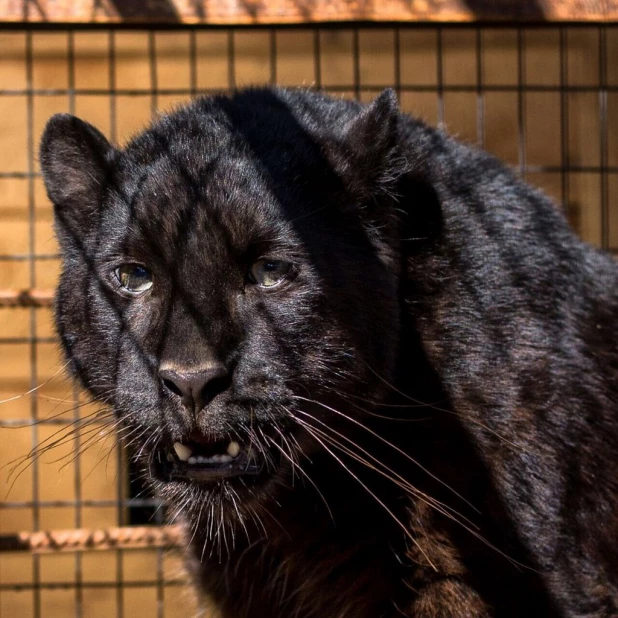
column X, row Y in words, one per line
column 75, row 160
column 369, row 163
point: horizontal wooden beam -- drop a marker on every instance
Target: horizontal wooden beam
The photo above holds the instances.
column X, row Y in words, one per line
column 26, row 298
column 262, row 12
column 80, row 539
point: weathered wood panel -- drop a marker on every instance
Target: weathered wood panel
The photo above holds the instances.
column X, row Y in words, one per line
column 228, row 12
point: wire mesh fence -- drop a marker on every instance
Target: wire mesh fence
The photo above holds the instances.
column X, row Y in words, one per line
column 544, row 99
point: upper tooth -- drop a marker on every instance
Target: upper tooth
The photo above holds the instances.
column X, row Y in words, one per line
column 183, row 452
column 233, row 449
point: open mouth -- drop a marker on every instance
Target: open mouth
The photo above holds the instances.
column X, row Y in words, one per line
column 198, row 462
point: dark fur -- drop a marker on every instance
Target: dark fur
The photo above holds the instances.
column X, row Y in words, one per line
column 440, row 303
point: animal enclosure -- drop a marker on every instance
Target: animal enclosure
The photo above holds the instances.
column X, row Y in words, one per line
column 544, row 98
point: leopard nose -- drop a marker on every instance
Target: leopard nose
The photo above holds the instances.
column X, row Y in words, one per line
column 195, row 388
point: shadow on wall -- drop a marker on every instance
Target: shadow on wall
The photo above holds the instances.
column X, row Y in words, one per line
column 512, row 9
column 165, row 10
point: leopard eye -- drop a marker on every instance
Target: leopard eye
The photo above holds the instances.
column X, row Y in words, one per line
column 269, row 273
column 134, row 278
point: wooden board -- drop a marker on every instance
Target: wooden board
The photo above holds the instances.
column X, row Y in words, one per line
column 247, row 12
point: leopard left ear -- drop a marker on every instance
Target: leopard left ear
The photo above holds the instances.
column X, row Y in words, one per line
column 371, row 164
column 75, row 162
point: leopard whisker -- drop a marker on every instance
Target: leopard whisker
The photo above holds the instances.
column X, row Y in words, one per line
column 435, row 504
column 67, row 434
column 380, row 502
column 304, row 473
column 395, row 478
column 36, row 388
column 96, row 438
column 447, row 411
column 390, row 444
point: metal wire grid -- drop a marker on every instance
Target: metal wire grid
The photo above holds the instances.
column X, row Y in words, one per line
column 358, row 88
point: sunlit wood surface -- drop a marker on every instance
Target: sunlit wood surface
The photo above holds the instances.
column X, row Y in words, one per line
column 305, row 11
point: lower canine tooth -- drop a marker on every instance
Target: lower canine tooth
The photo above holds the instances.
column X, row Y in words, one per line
column 233, row 449
column 183, row 452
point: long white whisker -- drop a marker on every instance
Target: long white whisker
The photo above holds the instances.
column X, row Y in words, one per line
column 401, row 482
column 380, row 502
column 445, row 410
column 440, row 509
column 385, row 441
column 304, row 473
column 36, row 388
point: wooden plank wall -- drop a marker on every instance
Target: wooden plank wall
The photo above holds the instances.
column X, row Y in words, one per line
column 228, row 12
